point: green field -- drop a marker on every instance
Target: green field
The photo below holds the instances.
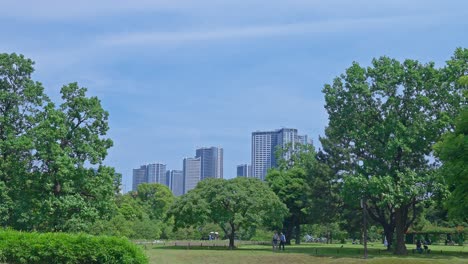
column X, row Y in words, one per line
column 310, row 253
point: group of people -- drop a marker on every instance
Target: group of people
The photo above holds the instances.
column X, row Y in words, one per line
column 419, row 249
column 281, row 238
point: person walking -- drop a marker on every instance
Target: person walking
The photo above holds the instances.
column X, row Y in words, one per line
column 282, row 241
column 275, row 241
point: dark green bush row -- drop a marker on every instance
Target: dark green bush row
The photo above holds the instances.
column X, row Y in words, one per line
column 23, row 247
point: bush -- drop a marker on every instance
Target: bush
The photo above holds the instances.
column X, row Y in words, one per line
column 22, row 247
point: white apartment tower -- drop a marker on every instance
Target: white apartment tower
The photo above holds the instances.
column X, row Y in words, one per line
column 264, row 147
column 191, row 172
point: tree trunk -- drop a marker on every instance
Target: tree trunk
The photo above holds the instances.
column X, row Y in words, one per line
column 388, row 231
column 400, row 229
column 231, row 237
column 289, row 230
column 298, row 233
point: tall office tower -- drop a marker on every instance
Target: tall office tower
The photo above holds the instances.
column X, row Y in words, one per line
column 156, row 173
column 264, row 147
column 168, row 179
column 192, row 173
column 211, row 162
column 139, row 177
column 177, row 182
column 244, row 170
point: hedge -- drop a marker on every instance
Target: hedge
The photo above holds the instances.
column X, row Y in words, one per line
column 24, row 247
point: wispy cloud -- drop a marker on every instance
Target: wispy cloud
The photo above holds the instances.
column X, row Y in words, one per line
column 310, row 28
column 85, row 9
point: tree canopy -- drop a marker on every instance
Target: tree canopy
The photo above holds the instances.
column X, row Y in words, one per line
column 232, row 204
column 305, row 185
column 45, row 183
column 453, row 151
column 384, row 120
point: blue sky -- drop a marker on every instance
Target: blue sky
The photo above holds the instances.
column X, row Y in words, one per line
column 175, row 75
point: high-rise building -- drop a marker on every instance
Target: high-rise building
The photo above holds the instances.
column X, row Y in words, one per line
column 192, row 173
column 304, row 140
column 139, row 177
column 176, row 182
column 244, row 170
column 156, row 173
column 211, row 160
column 264, row 147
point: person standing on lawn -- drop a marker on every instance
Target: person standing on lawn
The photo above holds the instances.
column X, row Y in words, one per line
column 275, row 241
column 282, row 241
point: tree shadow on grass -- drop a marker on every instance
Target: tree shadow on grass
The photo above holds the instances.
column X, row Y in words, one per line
column 318, row 251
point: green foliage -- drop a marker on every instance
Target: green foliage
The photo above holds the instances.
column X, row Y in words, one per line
column 140, row 215
column 22, row 247
column 306, row 186
column 232, row 204
column 44, row 184
column 155, row 198
column 452, row 149
column 383, row 121
column 261, row 234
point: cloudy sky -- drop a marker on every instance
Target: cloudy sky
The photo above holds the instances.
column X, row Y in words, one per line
column 176, row 75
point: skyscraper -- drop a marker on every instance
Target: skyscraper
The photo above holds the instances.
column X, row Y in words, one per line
column 264, row 147
column 156, row 173
column 211, row 162
column 177, row 182
column 139, row 177
column 244, row 170
column 192, row 173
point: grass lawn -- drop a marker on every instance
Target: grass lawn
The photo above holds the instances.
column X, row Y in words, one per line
column 309, row 253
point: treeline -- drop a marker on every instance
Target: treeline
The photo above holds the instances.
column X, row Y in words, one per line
column 395, row 144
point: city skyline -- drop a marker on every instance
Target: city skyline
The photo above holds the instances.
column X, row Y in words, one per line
column 208, row 162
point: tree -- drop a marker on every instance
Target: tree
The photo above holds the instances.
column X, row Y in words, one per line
column 452, row 149
column 44, row 153
column 156, row 199
column 20, row 101
column 384, row 120
column 303, row 184
column 231, row 204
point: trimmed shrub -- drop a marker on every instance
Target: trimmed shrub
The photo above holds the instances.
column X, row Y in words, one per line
column 23, row 247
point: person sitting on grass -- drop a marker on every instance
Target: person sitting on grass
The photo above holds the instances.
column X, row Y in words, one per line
column 418, row 247
column 426, row 247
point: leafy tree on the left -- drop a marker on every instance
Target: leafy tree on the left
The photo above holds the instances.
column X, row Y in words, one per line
column 45, row 151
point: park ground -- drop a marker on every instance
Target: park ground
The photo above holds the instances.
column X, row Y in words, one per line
column 307, row 253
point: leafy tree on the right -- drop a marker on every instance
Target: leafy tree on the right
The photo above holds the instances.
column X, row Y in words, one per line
column 383, row 122
column 453, row 151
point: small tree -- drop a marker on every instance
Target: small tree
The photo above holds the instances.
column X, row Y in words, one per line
column 232, row 204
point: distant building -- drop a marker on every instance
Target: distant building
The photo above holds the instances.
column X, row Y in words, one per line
column 211, row 162
column 244, row 170
column 156, row 173
column 264, row 147
column 304, row 140
column 139, row 177
column 192, row 173
column 176, row 182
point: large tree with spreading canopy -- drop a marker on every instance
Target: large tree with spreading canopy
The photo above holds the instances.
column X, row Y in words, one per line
column 383, row 122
